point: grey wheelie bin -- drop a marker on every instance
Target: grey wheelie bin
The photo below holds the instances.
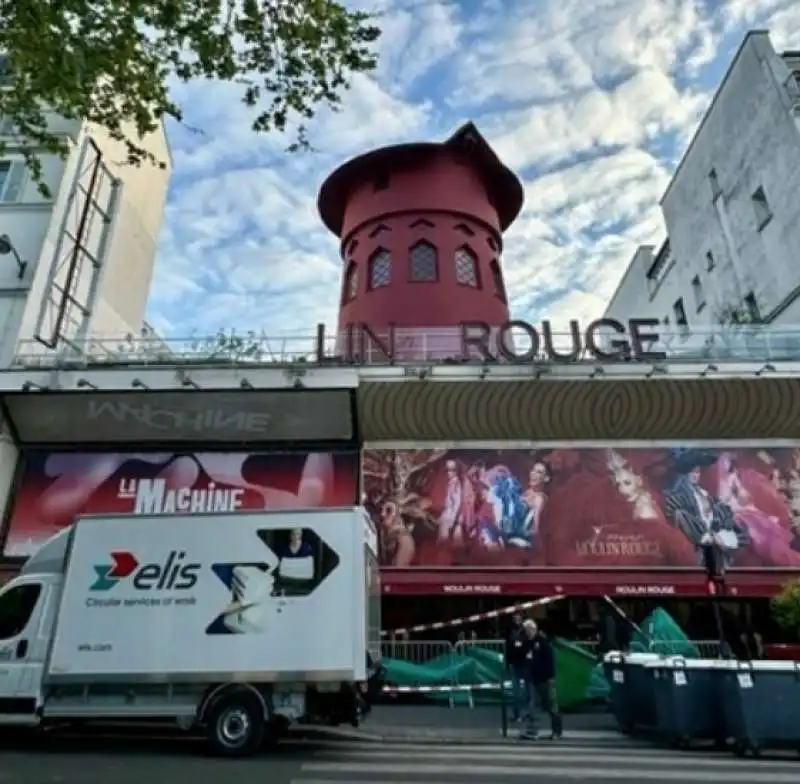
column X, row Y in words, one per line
column 688, row 700
column 761, row 700
column 632, row 695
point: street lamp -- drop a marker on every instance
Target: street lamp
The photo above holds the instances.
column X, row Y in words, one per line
column 6, row 247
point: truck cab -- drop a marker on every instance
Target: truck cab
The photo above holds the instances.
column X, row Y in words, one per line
column 28, row 606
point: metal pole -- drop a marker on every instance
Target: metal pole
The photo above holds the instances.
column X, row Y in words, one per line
column 719, row 593
column 503, row 709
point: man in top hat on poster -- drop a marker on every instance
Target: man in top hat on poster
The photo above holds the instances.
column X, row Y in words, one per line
column 700, row 516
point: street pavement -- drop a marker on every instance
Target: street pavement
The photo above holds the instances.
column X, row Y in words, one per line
column 545, row 762
column 592, row 756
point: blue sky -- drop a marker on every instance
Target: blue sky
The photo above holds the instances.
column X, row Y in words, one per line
column 591, row 103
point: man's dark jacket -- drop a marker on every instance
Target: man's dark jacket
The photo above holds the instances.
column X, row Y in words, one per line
column 515, row 643
column 540, row 662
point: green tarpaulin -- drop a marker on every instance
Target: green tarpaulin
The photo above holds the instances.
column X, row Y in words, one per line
column 474, row 665
column 579, row 677
column 660, row 634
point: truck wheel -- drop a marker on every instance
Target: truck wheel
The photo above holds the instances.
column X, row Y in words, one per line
column 236, row 725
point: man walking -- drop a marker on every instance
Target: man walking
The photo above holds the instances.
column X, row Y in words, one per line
column 517, row 672
column 540, row 666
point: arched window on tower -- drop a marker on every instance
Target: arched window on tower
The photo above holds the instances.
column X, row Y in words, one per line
column 466, row 267
column 497, row 280
column 423, row 262
column 380, row 268
column 350, row 288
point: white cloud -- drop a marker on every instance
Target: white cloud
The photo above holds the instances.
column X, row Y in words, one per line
column 592, row 103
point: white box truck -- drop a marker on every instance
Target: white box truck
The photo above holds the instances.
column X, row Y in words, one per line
column 236, row 624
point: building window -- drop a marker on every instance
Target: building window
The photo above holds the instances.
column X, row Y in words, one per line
column 753, row 311
column 422, row 262
column 761, row 208
column 710, row 262
column 490, row 241
column 466, row 267
column 12, row 180
column 351, row 247
column 420, row 222
column 497, row 280
column 350, row 282
column 380, row 268
column 679, row 311
column 697, row 292
column 380, row 182
column 464, row 229
column 713, row 181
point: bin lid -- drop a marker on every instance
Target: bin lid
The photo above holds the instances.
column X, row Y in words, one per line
column 642, row 658
column 679, row 663
column 766, row 666
column 736, row 665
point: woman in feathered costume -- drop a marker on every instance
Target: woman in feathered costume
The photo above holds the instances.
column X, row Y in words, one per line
column 509, row 520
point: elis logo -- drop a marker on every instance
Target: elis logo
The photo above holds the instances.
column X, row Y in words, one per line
column 174, row 574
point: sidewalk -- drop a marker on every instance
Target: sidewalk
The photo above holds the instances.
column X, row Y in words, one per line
column 467, row 726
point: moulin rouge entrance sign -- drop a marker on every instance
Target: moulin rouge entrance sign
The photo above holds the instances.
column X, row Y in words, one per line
column 604, row 340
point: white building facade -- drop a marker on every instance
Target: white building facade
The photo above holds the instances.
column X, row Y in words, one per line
column 78, row 264
column 732, row 210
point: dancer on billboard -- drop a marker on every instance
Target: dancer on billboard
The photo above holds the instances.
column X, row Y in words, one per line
column 768, row 538
column 450, row 518
column 397, row 542
column 535, row 497
column 631, row 487
column 702, row 518
column 510, row 517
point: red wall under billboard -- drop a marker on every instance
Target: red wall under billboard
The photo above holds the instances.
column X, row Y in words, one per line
column 54, row 488
column 572, row 508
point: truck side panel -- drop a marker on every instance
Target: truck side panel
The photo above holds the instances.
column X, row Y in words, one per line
column 206, row 598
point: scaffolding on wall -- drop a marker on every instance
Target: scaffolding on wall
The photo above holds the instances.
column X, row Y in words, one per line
column 74, row 277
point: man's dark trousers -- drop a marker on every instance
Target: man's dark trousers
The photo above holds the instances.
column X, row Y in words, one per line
column 543, row 697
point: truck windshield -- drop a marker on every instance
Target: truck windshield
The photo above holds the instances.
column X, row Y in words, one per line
column 16, row 606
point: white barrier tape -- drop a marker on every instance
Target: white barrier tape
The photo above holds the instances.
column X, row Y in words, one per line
column 617, row 609
column 476, row 618
column 444, row 689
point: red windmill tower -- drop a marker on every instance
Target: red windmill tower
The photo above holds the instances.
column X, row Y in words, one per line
column 421, row 229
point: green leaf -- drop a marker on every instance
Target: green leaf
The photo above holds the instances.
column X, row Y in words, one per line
column 111, row 62
column 786, row 606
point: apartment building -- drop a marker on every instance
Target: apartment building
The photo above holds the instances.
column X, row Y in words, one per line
column 79, row 262
column 731, row 211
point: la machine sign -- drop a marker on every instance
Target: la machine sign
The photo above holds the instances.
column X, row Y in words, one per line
column 196, row 416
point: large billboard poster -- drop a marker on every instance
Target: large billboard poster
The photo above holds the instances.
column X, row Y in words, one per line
column 55, row 488
column 589, row 507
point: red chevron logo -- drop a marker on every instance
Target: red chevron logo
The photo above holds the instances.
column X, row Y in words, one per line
column 124, row 564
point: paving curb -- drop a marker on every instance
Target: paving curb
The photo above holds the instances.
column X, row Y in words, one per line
column 571, row 739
